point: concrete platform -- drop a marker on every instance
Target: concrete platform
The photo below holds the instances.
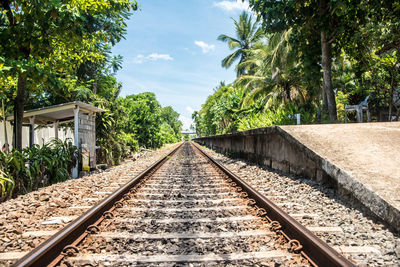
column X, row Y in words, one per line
column 368, row 151
column 360, row 159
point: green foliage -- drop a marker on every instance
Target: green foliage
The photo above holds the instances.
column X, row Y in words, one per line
column 132, row 122
column 186, row 137
column 171, row 117
column 167, row 134
column 67, row 57
column 151, row 124
column 34, row 167
column 68, row 43
column 6, row 186
column 130, row 141
column 247, row 34
column 354, row 43
column 221, row 111
column 275, row 116
column 144, row 120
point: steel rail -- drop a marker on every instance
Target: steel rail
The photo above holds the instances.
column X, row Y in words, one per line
column 49, row 251
column 313, row 248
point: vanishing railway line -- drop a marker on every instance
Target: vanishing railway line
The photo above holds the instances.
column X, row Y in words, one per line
column 184, row 209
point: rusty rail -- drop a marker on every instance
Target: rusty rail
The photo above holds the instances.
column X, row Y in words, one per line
column 299, row 238
column 53, row 250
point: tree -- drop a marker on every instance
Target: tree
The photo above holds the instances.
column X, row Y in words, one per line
column 57, row 30
column 273, row 76
column 334, row 21
column 375, row 54
column 220, row 112
column 143, row 111
column 171, row 117
column 247, row 34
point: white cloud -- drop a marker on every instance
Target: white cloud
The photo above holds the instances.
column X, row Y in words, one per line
column 139, row 59
column 155, row 56
column 189, row 109
column 233, row 5
column 204, row 47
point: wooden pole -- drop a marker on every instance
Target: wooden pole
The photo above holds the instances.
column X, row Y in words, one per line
column 76, row 139
column 56, row 129
column 5, row 126
column 32, row 131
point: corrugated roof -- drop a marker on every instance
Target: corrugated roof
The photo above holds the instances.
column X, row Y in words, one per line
column 62, row 112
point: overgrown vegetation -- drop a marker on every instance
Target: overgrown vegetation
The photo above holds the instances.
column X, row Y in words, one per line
column 54, row 52
column 134, row 121
column 34, row 167
column 311, row 58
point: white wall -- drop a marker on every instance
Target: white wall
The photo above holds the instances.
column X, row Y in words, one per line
column 42, row 134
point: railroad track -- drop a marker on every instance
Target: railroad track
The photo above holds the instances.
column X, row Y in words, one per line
column 184, row 209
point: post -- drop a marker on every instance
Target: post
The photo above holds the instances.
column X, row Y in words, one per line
column 359, row 114
column 5, row 126
column 56, row 129
column 76, row 139
column 94, row 160
column 31, row 131
column 298, row 118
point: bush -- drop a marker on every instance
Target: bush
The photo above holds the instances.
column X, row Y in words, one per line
column 276, row 116
column 34, row 167
column 130, row 141
column 167, row 134
column 117, row 153
column 6, row 186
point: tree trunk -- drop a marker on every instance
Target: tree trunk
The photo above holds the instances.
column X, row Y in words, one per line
column 287, row 89
column 326, row 48
column 6, row 146
column 19, row 103
column 392, row 88
column 324, row 102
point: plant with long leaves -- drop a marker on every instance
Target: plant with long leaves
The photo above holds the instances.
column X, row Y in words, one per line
column 247, row 34
column 273, row 78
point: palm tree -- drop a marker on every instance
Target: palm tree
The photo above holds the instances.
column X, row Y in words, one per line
column 247, row 34
column 270, row 76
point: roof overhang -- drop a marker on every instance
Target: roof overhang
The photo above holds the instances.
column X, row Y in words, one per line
column 58, row 113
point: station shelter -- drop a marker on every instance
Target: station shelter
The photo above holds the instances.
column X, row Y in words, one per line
column 81, row 114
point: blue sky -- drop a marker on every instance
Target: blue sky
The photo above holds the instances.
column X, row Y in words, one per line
column 171, row 49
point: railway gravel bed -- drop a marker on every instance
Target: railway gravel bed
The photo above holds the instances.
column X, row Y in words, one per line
column 342, row 224
column 53, row 207
column 182, row 217
column 159, row 226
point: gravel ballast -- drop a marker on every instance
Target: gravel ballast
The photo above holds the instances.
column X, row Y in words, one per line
column 202, row 221
column 314, row 203
column 49, row 208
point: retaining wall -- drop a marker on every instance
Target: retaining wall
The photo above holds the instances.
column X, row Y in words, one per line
column 277, row 149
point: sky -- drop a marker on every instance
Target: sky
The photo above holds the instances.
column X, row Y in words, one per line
column 171, row 49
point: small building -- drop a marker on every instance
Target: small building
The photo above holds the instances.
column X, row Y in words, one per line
column 83, row 115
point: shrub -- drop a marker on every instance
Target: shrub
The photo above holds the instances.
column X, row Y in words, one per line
column 34, row 167
column 276, row 116
column 130, row 141
column 6, row 186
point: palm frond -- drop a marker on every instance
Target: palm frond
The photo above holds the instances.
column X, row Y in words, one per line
column 228, row 61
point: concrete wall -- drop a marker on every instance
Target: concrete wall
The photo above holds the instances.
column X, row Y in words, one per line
column 87, row 135
column 270, row 146
column 277, row 149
